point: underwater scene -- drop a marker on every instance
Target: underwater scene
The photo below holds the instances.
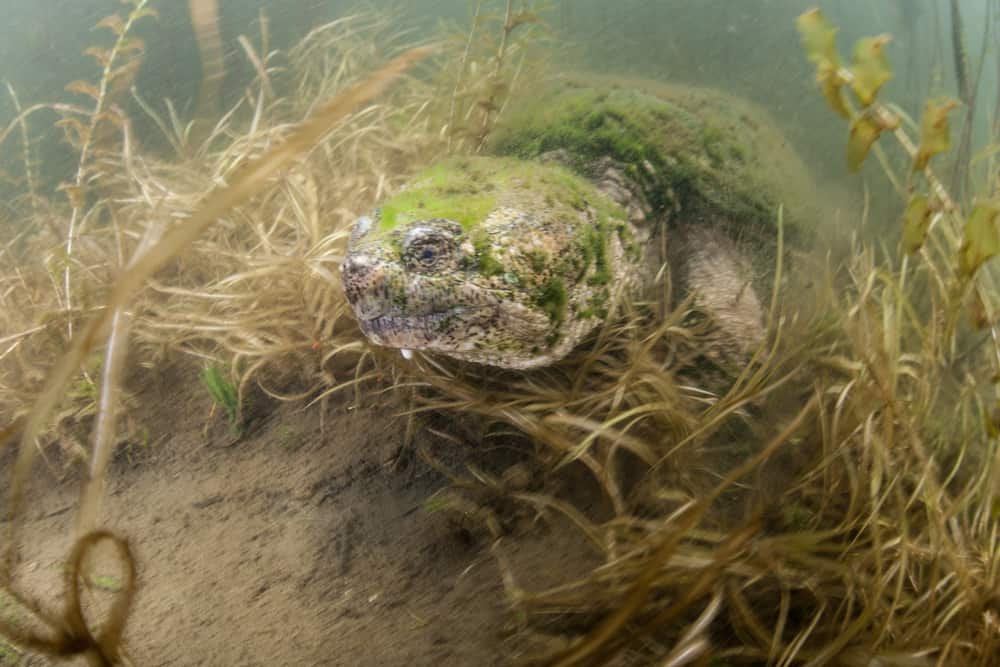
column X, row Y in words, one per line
column 500, row 332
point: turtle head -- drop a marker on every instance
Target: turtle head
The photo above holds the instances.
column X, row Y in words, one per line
column 481, row 259
column 420, row 287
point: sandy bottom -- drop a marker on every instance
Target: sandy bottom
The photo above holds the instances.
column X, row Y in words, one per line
column 296, row 545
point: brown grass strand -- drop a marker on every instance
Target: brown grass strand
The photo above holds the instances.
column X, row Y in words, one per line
column 69, row 633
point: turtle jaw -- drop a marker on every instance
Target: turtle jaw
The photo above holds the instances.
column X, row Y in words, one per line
column 454, row 317
column 407, row 331
column 402, row 309
column 505, row 336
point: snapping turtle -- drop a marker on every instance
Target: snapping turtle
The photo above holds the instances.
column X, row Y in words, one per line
column 512, row 258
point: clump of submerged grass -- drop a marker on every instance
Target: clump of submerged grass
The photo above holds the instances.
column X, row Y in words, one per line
column 860, row 474
column 263, row 286
column 860, row 520
column 35, row 317
column 68, row 634
column 856, row 517
column 836, row 503
column 72, row 253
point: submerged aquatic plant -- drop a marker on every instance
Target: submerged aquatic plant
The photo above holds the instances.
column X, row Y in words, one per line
column 85, row 127
column 975, row 237
column 69, row 634
column 489, row 69
column 837, row 503
column 223, row 392
column 862, row 523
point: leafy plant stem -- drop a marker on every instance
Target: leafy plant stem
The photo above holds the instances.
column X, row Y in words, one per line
column 76, row 192
column 463, row 63
column 29, row 172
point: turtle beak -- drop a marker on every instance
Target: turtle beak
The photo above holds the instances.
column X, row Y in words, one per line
column 362, row 277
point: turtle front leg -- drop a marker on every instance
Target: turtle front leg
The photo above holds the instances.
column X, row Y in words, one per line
column 708, row 263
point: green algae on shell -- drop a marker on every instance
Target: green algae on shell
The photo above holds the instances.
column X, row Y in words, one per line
column 693, row 151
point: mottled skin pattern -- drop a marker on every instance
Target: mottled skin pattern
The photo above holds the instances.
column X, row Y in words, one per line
column 537, row 261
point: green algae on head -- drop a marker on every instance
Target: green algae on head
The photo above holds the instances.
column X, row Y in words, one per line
column 467, row 189
column 487, row 259
column 444, row 191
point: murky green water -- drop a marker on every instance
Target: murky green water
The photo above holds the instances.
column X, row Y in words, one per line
column 748, row 48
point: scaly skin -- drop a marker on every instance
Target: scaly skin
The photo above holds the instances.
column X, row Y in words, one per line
column 512, row 261
column 497, row 261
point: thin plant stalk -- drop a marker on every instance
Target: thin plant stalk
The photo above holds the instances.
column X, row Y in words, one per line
column 29, row 167
column 76, row 191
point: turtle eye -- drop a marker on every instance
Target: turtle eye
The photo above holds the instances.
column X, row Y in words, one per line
column 426, row 249
column 427, row 255
column 424, row 253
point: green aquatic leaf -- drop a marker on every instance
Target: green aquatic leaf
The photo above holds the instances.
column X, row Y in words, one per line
column 982, row 238
column 106, row 582
column 225, row 394
column 819, row 39
column 916, row 221
column 113, row 23
column 870, row 68
column 830, row 83
column 865, row 130
column 979, row 314
column 935, row 135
